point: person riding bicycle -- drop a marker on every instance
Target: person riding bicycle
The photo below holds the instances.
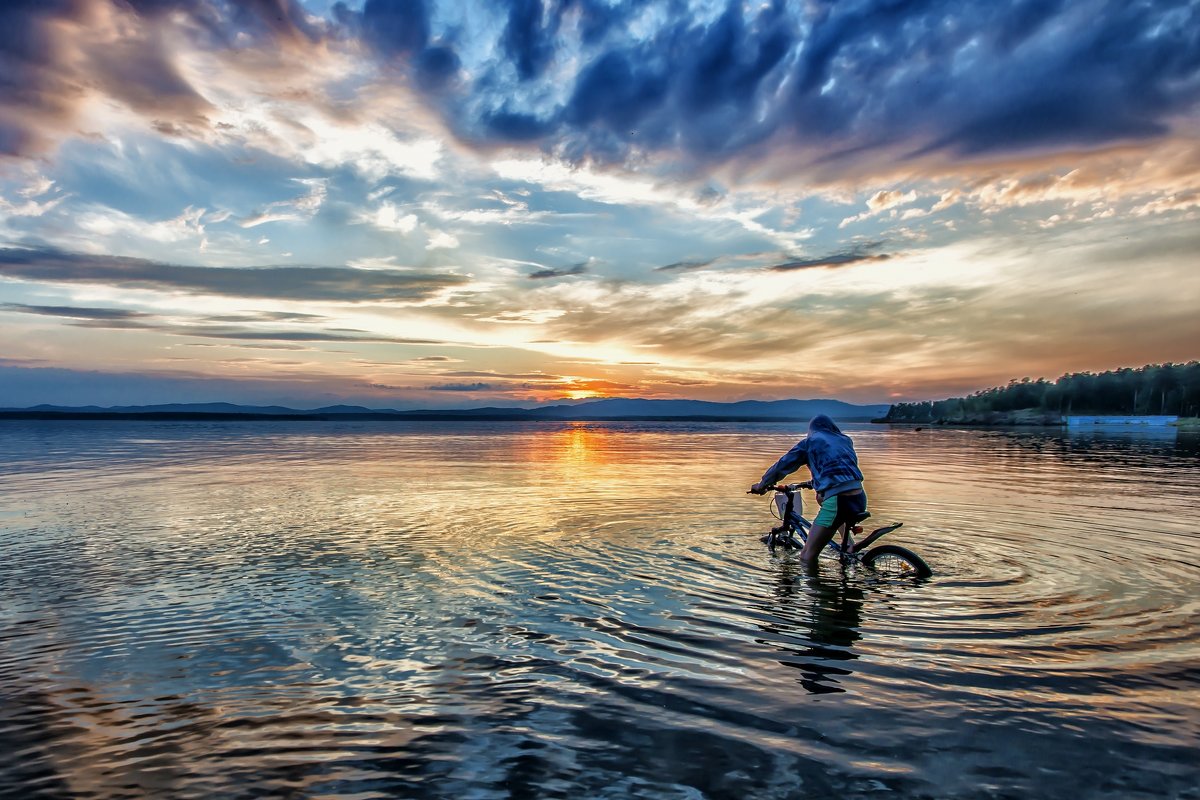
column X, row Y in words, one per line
column 830, row 457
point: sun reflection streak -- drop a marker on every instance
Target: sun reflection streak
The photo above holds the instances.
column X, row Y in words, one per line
column 581, row 446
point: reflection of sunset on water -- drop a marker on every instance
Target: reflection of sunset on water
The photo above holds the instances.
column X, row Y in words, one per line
column 582, row 446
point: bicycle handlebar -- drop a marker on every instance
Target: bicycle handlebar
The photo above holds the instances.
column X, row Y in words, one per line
column 791, row 487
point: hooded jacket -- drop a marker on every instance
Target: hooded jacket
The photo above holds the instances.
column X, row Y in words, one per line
column 829, row 455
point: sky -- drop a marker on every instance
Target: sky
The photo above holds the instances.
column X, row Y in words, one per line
column 439, row 204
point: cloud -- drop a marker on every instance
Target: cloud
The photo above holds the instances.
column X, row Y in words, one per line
column 505, row 211
column 30, row 205
column 56, row 56
column 343, row 284
column 493, row 375
column 607, row 83
column 396, row 27
column 209, row 327
column 440, row 240
column 521, row 317
column 885, row 199
column 844, row 258
column 821, row 87
column 685, row 266
column 291, row 336
column 400, row 31
column 564, row 272
column 464, row 387
column 33, row 92
column 390, row 217
column 97, row 223
column 244, row 346
column 78, row 312
column 296, row 210
column 265, row 316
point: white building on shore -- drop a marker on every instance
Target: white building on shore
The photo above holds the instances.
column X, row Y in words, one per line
column 1157, row 421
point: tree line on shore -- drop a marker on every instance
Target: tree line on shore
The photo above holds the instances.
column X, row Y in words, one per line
column 1172, row 389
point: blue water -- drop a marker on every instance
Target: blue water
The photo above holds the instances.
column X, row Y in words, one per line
column 585, row 610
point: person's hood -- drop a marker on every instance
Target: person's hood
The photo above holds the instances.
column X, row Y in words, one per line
column 823, row 423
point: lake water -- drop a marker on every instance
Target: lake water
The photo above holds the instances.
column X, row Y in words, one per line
column 328, row 610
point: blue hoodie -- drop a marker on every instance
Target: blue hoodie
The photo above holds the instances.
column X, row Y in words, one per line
column 830, row 457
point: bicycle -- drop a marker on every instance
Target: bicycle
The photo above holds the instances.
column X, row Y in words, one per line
column 792, row 532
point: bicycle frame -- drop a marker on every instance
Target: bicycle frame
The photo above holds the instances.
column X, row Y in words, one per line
column 793, row 522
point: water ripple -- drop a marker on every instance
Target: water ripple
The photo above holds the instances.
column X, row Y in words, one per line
column 198, row 610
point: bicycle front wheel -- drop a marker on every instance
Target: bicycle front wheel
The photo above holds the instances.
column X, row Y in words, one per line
column 895, row 561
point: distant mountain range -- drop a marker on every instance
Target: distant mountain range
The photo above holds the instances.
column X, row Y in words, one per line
column 613, row 408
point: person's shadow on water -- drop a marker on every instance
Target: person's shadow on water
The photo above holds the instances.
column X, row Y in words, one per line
column 823, row 610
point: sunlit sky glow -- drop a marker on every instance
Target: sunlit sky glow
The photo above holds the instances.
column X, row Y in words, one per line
column 424, row 203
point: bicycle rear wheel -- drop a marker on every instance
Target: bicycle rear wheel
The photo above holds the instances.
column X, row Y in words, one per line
column 895, row 561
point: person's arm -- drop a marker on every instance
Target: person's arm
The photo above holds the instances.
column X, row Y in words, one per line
column 791, row 461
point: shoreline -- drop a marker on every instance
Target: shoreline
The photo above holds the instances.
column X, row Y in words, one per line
column 1032, row 421
column 216, row 416
column 1183, row 424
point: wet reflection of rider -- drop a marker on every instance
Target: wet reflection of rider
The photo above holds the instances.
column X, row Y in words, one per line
column 829, row 455
column 833, row 626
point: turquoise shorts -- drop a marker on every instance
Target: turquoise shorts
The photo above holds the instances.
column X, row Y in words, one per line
column 840, row 509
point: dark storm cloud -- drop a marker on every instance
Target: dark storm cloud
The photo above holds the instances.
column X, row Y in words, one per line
column 436, row 67
column 831, row 78
column 225, row 20
column 395, row 27
column 610, row 80
column 399, row 30
column 527, row 41
column 287, row 283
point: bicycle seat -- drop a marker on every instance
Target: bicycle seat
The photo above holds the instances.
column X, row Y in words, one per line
column 857, row 518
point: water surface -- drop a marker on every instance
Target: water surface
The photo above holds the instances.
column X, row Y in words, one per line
column 357, row 610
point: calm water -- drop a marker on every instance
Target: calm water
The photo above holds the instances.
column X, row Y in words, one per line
column 585, row 610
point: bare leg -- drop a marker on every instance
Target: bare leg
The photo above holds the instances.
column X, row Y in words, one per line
column 818, row 537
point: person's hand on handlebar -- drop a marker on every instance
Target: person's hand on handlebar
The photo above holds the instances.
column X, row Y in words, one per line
column 757, row 488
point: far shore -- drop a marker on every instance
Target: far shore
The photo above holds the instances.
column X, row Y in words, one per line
column 993, row 420
column 1035, row 421
column 217, row 416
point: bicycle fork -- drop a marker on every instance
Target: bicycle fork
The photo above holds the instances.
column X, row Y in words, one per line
column 783, row 533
